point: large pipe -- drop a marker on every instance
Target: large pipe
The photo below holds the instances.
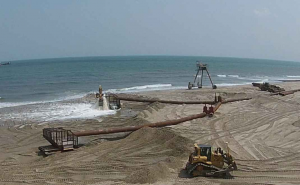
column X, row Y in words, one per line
column 134, row 128
column 178, row 102
column 235, row 99
column 158, row 124
column 217, row 106
column 164, row 101
column 284, row 93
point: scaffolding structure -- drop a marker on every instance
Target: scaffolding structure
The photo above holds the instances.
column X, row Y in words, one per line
column 201, row 67
column 61, row 140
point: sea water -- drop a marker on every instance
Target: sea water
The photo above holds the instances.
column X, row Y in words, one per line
column 42, row 81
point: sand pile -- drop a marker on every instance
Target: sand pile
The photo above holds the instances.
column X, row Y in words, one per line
column 174, row 147
column 164, row 139
column 155, row 152
column 149, row 174
column 297, row 123
column 153, row 107
column 145, row 156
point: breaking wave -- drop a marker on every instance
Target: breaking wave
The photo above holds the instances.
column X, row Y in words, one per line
column 231, row 84
column 76, row 96
column 144, row 88
column 57, row 111
column 15, row 104
column 233, row 76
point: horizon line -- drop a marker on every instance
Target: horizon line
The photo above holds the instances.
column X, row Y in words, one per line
column 94, row 56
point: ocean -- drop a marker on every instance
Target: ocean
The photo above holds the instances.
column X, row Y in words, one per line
column 44, row 81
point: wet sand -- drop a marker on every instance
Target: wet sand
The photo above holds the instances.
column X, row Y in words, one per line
column 263, row 135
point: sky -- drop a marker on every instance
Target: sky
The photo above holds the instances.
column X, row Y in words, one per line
column 266, row 29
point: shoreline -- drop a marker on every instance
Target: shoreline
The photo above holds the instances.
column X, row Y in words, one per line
column 22, row 112
column 119, row 91
column 124, row 91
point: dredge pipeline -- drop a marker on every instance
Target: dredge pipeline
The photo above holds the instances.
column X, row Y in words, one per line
column 134, row 128
column 284, row 93
column 63, row 140
column 235, row 99
column 56, row 135
column 163, row 101
column 180, row 102
column 158, row 124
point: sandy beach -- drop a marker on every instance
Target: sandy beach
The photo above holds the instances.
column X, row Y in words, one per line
column 263, row 135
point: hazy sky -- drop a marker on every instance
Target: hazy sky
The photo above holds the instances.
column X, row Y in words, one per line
column 69, row 28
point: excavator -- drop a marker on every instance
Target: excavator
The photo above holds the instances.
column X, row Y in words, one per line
column 202, row 162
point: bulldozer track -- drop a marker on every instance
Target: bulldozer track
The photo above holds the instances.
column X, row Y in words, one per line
column 269, row 119
column 237, row 130
column 217, row 170
column 53, row 176
column 271, row 159
column 229, row 133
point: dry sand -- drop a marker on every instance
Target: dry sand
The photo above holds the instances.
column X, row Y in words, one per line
column 263, row 135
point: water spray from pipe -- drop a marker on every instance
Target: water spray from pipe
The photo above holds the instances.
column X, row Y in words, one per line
column 105, row 103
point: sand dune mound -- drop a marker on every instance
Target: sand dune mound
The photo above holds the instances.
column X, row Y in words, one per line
column 145, row 156
column 174, row 147
column 231, row 95
column 297, row 123
column 155, row 152
column 149, row 174
column 153, row 107
column 164, row 139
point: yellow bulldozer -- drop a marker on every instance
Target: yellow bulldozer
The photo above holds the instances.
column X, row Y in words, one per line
column 204, row 162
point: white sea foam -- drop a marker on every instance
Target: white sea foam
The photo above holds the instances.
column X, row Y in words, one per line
column 105, row 104
column 233, row 76
column 262, row 80
column 293, row 77
column 15, row 104
column 57, row 111
column 155, row 86
column 70, row 97
column 144, row 88
column 287, row 79
column 254, row 79
column 231, row 84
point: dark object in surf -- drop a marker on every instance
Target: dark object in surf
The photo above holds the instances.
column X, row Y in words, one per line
column 201, row 67
column 268, row 87
column 3, row 64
